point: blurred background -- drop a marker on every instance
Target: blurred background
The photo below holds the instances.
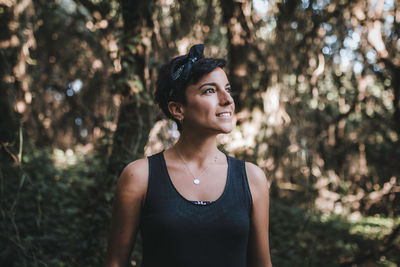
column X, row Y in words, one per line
column 317, row 90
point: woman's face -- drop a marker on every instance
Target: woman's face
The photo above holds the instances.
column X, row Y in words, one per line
column 210, row 106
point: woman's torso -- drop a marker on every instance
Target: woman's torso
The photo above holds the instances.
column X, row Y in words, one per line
column 177, row 232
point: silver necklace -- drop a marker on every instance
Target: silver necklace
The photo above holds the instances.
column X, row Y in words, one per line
column 196, row 180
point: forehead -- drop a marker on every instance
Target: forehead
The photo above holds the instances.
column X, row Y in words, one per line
column 217, row 76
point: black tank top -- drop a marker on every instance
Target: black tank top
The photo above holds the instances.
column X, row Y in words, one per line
column 178, row 233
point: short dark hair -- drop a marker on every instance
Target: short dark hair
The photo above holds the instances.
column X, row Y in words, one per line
column 168, row 89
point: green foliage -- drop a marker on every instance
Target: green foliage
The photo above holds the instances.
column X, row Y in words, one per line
column 52, row 212
column 304, row 238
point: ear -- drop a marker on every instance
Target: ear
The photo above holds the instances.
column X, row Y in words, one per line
column 176, row 109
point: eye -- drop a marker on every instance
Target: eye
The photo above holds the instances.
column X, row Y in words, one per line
column 229, row 90
column 209, row 91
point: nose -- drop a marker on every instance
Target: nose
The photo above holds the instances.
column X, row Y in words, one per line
column 225, row 98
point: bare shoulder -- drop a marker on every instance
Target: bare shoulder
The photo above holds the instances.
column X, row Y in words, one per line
column 255, row 175
column 257, row 180
column 137, row 169
column 134, row 179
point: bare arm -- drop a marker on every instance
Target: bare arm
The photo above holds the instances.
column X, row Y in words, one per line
column 258, row 250
column 129, row 197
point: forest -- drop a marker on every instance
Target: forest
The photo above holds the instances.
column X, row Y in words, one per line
column 317, row 90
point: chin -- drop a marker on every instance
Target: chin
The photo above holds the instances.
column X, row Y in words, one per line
column 220, row 128
column 226, row 130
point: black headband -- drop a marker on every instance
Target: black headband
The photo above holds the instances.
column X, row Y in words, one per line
column 181, row 68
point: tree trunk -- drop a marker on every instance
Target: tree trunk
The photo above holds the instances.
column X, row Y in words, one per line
column 239, row 37
column 135, row 117
column 14, row 87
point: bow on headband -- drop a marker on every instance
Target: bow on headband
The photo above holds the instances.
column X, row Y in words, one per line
column 181, row 68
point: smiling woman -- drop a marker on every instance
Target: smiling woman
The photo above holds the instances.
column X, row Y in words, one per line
column 194, row 205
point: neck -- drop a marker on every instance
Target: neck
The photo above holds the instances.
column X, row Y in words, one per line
column 194, row 147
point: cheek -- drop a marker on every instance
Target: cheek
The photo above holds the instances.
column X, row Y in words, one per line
column 202, row 107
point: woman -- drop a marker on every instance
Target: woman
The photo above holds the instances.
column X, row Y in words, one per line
column 195, row 205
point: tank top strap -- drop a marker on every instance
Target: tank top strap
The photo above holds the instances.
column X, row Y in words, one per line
column 158, row 183
column 239, row 183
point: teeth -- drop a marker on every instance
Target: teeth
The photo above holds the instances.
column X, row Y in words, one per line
column 224, row 115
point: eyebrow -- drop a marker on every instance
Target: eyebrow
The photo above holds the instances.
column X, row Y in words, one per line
column 212, row 84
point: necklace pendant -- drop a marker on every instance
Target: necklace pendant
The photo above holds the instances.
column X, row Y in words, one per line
column 196, row 181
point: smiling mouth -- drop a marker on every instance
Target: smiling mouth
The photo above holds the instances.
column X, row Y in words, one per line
column 224, row 114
